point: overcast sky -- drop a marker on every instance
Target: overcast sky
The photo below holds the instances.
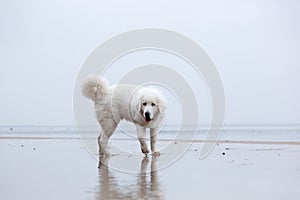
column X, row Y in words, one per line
column 255, row 45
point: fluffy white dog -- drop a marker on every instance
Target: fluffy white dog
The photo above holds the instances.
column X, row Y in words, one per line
column 145, row 107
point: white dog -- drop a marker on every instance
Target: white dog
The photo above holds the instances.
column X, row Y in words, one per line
column 145, row 107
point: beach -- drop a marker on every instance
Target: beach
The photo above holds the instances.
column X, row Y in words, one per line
column 245, row 167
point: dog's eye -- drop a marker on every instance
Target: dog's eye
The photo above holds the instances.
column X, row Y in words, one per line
column 144, row 104
column 153, row 104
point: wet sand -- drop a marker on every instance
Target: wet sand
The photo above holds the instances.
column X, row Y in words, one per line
column 60, row 168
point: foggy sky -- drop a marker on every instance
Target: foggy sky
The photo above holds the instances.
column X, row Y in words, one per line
column 254, row 44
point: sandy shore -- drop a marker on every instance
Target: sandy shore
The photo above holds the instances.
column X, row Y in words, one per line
column 60, row 168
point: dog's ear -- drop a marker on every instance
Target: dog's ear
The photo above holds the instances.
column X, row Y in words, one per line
column 139, row 106
column 136, row 105
column 162, row 104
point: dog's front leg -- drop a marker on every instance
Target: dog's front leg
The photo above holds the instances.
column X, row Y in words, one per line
column 153, row 137
column 141, row 133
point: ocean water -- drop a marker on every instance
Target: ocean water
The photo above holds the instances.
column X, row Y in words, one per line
column 243, row 133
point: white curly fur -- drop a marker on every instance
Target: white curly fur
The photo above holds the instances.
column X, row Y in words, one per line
column 94, row 87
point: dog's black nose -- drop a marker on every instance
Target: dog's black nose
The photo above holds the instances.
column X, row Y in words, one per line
column 147, row 115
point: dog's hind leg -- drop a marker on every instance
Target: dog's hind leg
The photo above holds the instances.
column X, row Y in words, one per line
column 141, row 133
column 108, row 127
column 99, row 143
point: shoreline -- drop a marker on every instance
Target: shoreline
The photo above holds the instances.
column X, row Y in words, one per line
column 162, row 140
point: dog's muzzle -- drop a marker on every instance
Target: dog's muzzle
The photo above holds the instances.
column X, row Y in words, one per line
column 147, row 117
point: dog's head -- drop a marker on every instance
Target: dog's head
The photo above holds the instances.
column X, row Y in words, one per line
column 149, row 109
column 150, row 103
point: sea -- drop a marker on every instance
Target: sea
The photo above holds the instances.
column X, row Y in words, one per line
column 227, row 132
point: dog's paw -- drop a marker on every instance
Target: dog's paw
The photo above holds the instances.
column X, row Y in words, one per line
column 145, row 150
column 156, row 153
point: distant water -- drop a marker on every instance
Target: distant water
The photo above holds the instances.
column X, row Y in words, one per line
column 245, row 132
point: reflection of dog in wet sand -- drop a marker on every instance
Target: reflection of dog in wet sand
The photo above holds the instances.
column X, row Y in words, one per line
column 145, row 107
column 113, row 187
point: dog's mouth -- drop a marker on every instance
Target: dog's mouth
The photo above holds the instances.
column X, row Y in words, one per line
column 147, row 119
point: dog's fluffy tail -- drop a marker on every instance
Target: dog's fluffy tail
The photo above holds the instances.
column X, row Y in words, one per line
column 94, row 87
